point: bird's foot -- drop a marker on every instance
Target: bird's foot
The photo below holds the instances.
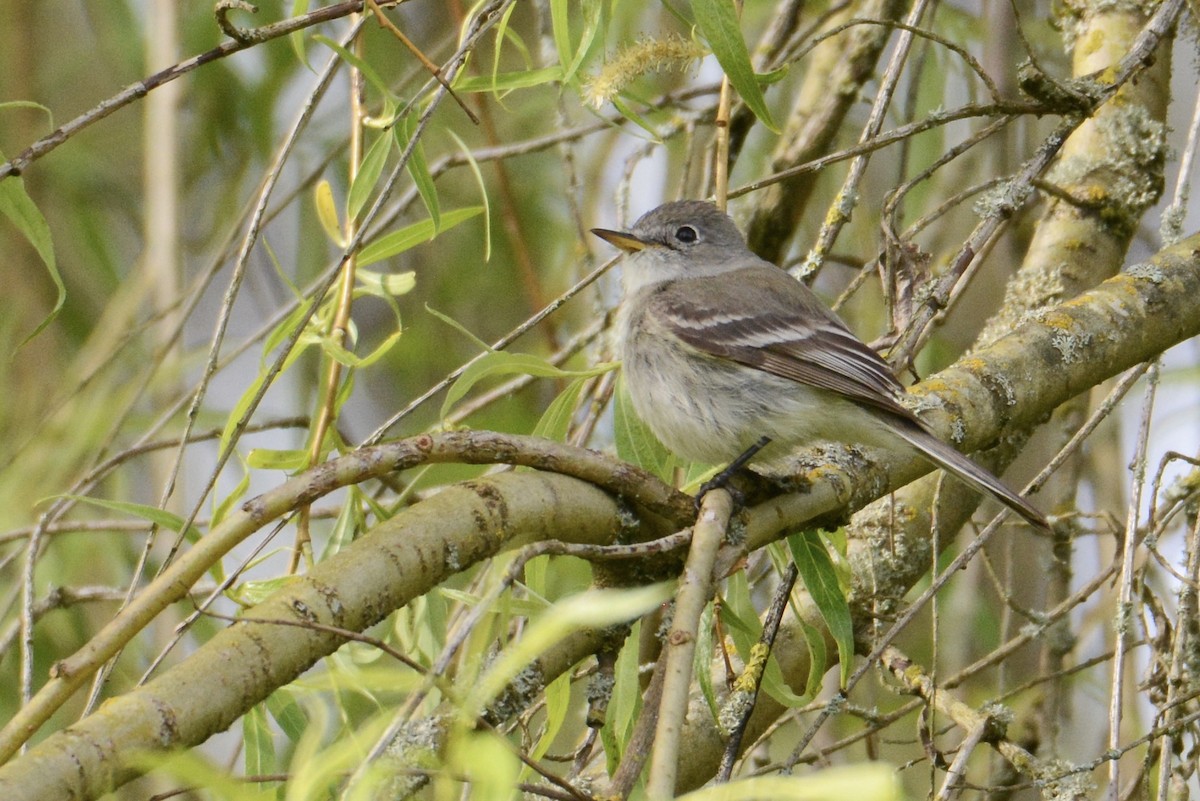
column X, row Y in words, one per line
column 722, row 480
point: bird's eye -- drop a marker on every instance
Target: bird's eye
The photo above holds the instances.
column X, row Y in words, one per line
column 686, row 234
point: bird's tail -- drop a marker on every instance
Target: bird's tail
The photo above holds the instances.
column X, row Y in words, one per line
column 947, row 458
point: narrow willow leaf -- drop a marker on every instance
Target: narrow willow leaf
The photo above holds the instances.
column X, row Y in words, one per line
column 460, row 328
column 349, row 358
column 258, row 742
column 505, row 81
column 366, row 69
column 556, row 420
column 159, row 517
column 820, row 579
column 739, row 615
column 23, row 213
column 558, row 706
column 816, row 657
column 397, row 242
column 327, row 212
column 279, row 334
column 504, row 363
column 626, row 701
column 248, row 395
column 191, row 769
column 272, row 459
column 631, row 115
column 774, row 685
column 591, row 14
column 386, row 285
column 706, row 645
column 594, row 609
column 287, row 713
column 252, row 593
column 483, row 195
column 368, row 175
column 297, row 40
column 718, row 21
column 221, row 508
column 418, row 170
column 560, row 16
column 502, row 35
column 31, row 105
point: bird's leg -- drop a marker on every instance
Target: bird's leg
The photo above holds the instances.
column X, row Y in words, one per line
column 721, row 480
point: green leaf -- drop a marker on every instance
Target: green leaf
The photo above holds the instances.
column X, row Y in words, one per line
column 368, row 175
column 591, row 609
column 460, row 328
column 287, row 713
column 221, row 508
column 155, row 515
column 626, row 701
column 505, row 34
column 718, row 21
column 483, row 196
column 635, row 442
column 22, row 212
column 560, row 15
column 591, row 24
column 29, row 104
column 347, row 357
column 252, row 593
column 631, row 115
column 296, row 38
column 816, row 657
column 820, row 579
column 410, row 236
column 702, row 667
column 503, row 363
column 270, row 459
column 556, row 420
column 354, row 61
column 506, row 81
column 418, row 169
column 739, row 615
column 247, row 398
column 558, row 705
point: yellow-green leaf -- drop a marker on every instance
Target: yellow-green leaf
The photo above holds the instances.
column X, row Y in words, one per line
column 386, row 285
column 397, row 242
column 327, row 212
column 271, row 459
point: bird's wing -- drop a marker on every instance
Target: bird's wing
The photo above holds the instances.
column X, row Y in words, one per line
column 775, row 324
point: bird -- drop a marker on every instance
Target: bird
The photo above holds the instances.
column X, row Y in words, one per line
column 721, row 348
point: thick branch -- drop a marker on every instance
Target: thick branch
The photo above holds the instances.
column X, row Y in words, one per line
column 399, row 560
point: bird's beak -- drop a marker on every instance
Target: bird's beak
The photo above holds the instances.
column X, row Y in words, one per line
column 626, row 242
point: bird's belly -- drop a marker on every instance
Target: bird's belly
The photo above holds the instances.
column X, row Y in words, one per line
column 711, row 410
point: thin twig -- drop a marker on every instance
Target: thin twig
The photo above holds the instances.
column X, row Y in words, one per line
column 750, row 684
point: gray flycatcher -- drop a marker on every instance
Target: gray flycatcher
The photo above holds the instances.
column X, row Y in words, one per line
column 721, row 348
